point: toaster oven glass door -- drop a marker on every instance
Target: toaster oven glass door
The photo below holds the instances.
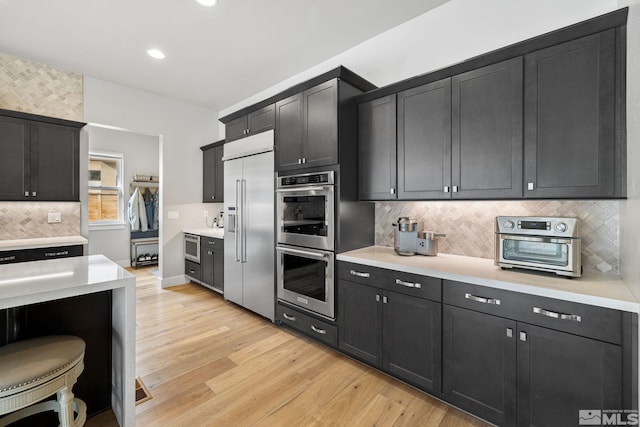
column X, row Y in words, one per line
column 537, row 250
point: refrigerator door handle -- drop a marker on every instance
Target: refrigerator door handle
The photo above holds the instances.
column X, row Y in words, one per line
column 243, row 237
column 239, row 220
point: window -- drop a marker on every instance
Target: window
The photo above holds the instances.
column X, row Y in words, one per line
column 106, row 195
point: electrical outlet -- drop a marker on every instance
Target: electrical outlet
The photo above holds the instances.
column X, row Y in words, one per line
column 206, row 214
column 54, row 217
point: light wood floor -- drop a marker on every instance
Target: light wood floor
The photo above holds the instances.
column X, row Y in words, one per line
column 208, row 362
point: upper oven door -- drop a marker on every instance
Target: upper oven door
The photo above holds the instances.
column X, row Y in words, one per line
column 545, row 252
column 305, row 216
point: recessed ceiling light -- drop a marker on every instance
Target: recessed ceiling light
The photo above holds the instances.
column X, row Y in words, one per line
column 155, row 53
column 207, row 2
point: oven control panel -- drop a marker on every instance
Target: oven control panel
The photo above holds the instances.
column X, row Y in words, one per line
column 322, row 178
column 537, row 226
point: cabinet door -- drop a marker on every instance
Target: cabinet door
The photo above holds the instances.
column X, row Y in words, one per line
column 209, row 176
column 218, row 265
column 411, row 340
column 54, row 162
column 219, row 175
column 560, row 374
column 15, row 151
column 262, row 119
column 321, row 124
column 479, row 364
column 487, row 132
column 289, row 133
column 569, row 119
column 360, row 321
column 377, row 149
column 206, row 263
column 236, row 129
column 424, row 142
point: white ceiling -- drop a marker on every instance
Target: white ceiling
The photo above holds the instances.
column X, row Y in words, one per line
column 216, row 56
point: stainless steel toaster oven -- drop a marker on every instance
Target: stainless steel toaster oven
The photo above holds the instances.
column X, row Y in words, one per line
column 550, row 244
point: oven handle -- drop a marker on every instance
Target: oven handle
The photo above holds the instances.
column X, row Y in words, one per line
column 318, row 255
column 291, row 190
column 535, row 239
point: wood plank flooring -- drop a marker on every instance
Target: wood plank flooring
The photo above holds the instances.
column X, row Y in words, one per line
column 208, row 362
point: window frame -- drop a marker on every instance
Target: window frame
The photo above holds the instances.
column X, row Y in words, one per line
column 108, row 224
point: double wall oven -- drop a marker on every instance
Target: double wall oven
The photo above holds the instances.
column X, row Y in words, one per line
column 305, row 221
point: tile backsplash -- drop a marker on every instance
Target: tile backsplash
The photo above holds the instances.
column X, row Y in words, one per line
column 470, row 225
column 28, row 220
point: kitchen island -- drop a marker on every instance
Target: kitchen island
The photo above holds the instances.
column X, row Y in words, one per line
column 34, row 283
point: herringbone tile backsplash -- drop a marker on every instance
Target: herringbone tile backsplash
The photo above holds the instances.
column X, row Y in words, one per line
column 28, row 220
column 470, row 225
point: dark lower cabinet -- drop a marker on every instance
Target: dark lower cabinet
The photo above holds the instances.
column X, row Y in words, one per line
column 479, row 364
column 212, row 263
column 392, row 331
column 560, row 374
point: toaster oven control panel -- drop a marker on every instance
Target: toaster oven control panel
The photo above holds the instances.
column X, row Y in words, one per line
column 539, row 226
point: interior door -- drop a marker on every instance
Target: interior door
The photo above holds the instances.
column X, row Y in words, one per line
column 232, row 264
column 258, row 235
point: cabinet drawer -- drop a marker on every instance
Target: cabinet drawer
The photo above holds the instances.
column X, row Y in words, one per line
column 212, row 243
column 359, row 273
column 599, row 323
column 412, row 284
column 310, row 326
column 192, row 269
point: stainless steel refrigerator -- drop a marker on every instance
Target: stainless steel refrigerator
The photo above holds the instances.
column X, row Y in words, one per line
column 249, row 224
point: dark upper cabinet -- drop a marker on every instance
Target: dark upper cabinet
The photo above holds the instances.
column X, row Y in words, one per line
column 570, row 136
column 212, row 263
column 307, row 128
column 212, row 173
column 560, row 374
column 39, row 160
column 377, row 149
column 424, row 141
column 252, row 123
column 479, row 364
column 487, row 132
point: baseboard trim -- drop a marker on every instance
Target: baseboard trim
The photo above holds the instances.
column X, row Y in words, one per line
column 172, row 281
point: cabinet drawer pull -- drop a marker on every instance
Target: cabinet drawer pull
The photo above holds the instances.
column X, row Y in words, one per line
column 318, row 330
column 359, row 274
column 192, row 271
column 211, row 242
column 288, row 317
column 408, row 284
column 482, row 299
column 555, row 315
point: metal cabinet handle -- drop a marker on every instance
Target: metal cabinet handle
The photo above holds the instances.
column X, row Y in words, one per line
column 318, row 330
column 211, row 242
column 455, row 188
column 530, row 186
column 359, row 274
column 385, row 300
column 509, row 332
column 408, row 284
column 377, row 298
column 288, row 317
column 446, row 188
column 213, row 197
column 209, row 253
column 192, row 271
column 304, row 160
column 523, row 336
column 554, row 315
column 26, row 194
column 392, row 191
column 482, row 299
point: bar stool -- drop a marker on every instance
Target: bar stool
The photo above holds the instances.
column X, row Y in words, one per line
column 34, row 369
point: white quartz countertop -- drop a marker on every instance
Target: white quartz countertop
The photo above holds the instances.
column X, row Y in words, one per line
column 41, row 242
column 604, row 290
column 217, row 233
column 37, row 281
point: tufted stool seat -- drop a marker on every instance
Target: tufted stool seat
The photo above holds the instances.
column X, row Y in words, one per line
column 34, row 369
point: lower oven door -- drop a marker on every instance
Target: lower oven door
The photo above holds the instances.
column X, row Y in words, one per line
column 541, row 253
column 305, row 279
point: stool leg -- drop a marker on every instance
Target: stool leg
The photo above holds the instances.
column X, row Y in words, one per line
column 65, row 399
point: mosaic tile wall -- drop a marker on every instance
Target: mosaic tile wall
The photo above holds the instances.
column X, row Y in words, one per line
column 28, row 220
column 470, row 225
column 31, row 87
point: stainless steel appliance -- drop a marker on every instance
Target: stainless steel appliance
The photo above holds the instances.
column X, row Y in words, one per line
column 306, row 278
column 305, row 209
column 249, row 234
column 549, row 244
column 406, row 235
column 428, row 243
column 192, row 247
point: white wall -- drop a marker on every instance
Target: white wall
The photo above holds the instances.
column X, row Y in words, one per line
column 630, row 209
column 141, row 156
column 183, row 128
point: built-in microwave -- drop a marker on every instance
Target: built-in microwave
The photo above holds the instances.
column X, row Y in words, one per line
column 192, row 247
column 550, row 244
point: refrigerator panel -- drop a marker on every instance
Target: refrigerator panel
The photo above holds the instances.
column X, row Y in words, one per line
column 259, row 247
column 233, row 279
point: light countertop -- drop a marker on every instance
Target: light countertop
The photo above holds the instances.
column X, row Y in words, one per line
column 41, row 242
column 217, row 233
column 604, row 290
